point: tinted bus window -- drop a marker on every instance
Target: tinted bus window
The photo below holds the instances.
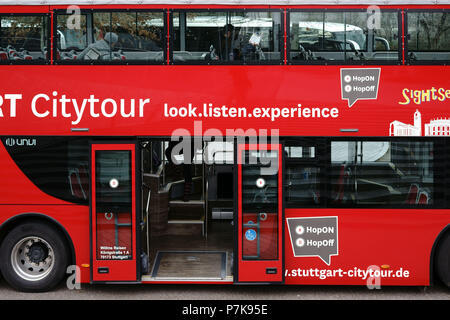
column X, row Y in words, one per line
column 428, row 36
column 304, row 172
column 23, row 38
column 351, row 36
column 58, row 166
column 112, row 36
column 227, row 36
column 387, row 173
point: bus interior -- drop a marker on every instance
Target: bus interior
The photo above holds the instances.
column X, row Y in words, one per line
column 187, row 226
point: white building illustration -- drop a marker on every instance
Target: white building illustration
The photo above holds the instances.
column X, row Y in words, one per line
column 401, row 129
column 436, row 127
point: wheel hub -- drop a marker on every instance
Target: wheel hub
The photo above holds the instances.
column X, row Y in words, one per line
column 37, row 253
column 32, row 258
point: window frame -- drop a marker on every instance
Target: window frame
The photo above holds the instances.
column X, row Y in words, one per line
column 46, row 60
column 106, row 62
column 236, row 62
column 409, row 61
column 291, row 61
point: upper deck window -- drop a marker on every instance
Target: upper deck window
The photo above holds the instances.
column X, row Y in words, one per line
column 354, row 36
column 227, row 37
column 428, row 36
column 120, row 37
column 23, row 38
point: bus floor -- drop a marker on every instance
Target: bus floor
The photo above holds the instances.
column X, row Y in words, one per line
column 193, row 257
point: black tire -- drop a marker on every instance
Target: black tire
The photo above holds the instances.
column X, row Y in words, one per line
column 443, row 259
column 33, row 257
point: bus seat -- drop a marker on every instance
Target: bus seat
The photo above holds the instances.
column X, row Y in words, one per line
column 84, row 179
column 71, row 55
column 119, row 56
column 25, row 55
column 3, row 54
column 340, row 185
column 423, row 197
column 316, row 196
column 412, row 194
column 12, row 53
column 344, row 175
column 75, row 185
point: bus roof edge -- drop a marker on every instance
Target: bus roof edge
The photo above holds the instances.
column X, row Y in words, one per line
column 226, row 2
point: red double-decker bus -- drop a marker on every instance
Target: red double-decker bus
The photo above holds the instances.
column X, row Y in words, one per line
column 300, row 143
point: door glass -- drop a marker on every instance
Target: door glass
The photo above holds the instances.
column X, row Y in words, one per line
column 260, row 205
column 113, row 192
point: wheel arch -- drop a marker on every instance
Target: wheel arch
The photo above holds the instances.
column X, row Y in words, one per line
column 12, row 222
column 434, row 251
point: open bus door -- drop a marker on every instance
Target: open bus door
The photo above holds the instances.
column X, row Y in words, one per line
column 113, row 213
column 259, row 225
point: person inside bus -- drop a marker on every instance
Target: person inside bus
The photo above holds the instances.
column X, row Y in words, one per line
column 126, row 40
column 252, row 49
column 150, row 39
column 101, row 49
column 229, row 44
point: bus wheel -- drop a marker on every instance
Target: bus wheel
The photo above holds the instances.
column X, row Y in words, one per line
column 443, row 260
column 33, row 257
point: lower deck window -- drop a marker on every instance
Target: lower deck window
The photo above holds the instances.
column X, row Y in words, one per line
column 58, row 166
column 381, row 173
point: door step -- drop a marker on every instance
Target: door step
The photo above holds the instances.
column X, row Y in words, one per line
column 186, row 217
column 186, row 203
column 186, row 227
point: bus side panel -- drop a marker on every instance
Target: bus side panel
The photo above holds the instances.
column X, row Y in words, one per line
column 18, row 195
column 165, row 97
column 73, row 218
column 371, row 247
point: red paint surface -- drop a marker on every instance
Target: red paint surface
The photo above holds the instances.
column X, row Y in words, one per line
column 233, row 86
column 399, row 238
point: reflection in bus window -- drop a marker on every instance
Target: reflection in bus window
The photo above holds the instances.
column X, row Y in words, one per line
column 227, row 36
column 343, row 36
column 381, row 173
column 428, row 36
column 23, row 38
column 112, row 36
